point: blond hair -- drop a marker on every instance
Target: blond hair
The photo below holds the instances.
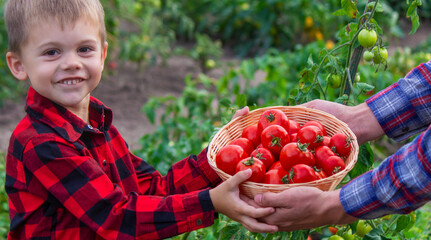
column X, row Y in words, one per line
column 21, row 15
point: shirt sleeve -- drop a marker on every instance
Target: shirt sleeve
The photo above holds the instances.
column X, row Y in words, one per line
column 190, row 174
column 404, row 108
column 78, row 184
column 399, row 185
column 402, row 182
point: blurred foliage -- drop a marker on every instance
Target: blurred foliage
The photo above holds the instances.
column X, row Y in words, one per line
column 293, row 45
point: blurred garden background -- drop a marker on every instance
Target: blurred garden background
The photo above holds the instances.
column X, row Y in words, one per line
column 178, row 70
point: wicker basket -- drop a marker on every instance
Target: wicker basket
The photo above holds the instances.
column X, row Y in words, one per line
column 234, row 129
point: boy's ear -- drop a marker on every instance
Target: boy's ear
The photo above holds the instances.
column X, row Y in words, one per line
column 104, row 53
column 15, row 65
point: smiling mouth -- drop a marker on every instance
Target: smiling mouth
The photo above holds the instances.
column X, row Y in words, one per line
column 71, row 81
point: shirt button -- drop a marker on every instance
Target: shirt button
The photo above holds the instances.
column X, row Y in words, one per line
column 104, row 162
column 199, row 222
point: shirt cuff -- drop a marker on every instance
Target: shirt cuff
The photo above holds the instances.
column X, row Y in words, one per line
column 206, row 169
column 359, row 198
column 199, row 217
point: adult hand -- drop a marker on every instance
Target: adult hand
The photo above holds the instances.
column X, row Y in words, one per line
column 303, row 208
column 360, row 118
column 241, row 112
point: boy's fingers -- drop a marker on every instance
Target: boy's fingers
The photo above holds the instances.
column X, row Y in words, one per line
column 240, row 177
column 256, row 212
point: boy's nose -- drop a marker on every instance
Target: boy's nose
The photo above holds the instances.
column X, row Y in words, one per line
column 71, row 62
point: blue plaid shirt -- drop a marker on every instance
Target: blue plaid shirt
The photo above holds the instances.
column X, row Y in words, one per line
column 402, row 183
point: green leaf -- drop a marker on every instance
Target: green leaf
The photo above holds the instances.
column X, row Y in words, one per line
column 248, row 69
column 241, row 100
column 365, row 161
column 225, row 102
column 412, row 13
column 364, row 87
column 402, row 222
column 349, row 8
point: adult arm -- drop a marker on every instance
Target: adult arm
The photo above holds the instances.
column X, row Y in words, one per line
column 401, row 184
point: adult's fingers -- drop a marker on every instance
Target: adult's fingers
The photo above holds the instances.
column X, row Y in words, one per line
column 269, row 199
column 241, row 112
column 253, row 225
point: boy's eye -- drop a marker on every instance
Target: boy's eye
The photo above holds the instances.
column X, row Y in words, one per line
column 52, row 52
column 84, row 49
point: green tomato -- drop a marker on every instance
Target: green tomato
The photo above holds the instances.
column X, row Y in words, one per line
column 334, row 80
column 368, row 56
column 348, row 235
column 362, row 228
column 357, row 77
column 380, row 54
column 367, row 38
column 210, row 63
column 335, row 237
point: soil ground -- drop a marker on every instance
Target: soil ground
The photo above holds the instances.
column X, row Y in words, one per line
column 129, row 88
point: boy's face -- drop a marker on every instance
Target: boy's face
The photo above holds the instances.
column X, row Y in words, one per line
column 64, row 65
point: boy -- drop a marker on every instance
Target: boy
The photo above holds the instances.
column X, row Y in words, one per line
column 69, row 172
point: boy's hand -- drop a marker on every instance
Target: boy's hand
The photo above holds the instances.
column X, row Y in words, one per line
column 227, row 200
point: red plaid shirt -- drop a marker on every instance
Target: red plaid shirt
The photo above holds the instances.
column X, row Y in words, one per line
column 69, row 180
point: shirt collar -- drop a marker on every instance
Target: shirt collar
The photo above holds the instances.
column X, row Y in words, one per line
column 65, row 123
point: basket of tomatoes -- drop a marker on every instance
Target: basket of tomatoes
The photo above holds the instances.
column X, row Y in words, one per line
column 285, row 146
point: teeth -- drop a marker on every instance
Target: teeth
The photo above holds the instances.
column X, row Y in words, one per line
column 71, row 82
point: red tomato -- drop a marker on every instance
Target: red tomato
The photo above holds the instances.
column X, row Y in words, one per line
column 326, row 141
column 321, row 154
column 310, row 135
column 333, row 165
column 274, row 138
column 293, row 126
column 320, row 173
column 246, row 144
column 295, row 153
column 333, row 230
column 250, row 132
column 276, row 176
column 257, row 167
column 272, row 117
column 275, row 165
column 294, row 137
column 301, row 173
column 264, row 155
column 317, row 124
column 341, row 144
column 228, row 157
